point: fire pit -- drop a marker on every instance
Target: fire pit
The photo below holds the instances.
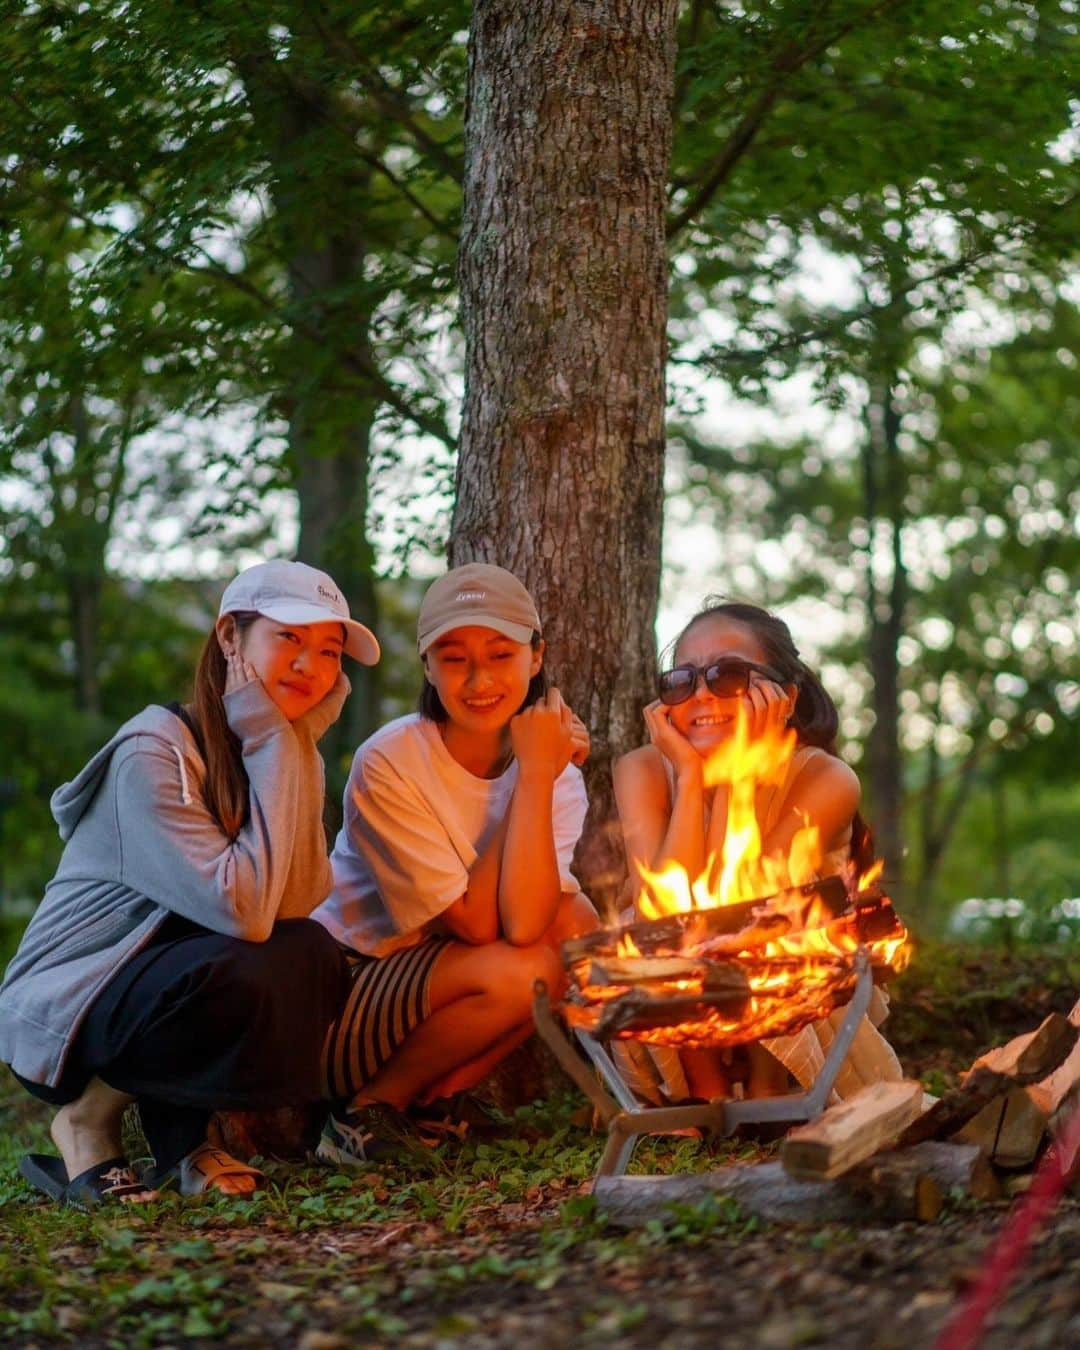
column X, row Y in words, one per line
column 709, row 965
column 721, row 976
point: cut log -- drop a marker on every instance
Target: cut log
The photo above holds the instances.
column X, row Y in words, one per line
column 1011, row 1128
column 668, row 935
column 851, row 1131
column 1056, row 1094
column 903, row 1177
column 1024, row 1060
column 954, row 1168
column 765, row 1191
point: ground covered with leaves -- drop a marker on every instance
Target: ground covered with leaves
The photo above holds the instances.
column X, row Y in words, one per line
column 498, row 1243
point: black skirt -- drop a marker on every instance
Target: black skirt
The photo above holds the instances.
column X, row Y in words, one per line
column 198, row 1022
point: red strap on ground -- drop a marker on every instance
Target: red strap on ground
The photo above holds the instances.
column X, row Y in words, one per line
column 964, row 1328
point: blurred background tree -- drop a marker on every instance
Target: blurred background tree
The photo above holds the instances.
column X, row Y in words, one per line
column 227, row 303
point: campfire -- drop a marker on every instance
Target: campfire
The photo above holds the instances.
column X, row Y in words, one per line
column 753, row 947
column 760, row 946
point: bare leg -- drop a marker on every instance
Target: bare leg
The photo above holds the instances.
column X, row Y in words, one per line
column 469, row 1074
column 481, row 1000
column 87, row 1130
column 574, row 917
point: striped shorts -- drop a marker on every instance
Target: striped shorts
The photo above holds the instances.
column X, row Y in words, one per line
column 388, row 1000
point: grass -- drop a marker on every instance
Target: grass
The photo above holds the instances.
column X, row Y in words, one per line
column 373, row 1254
column 195, row 1269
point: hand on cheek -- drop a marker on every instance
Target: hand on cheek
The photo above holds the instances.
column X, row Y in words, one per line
column 238, row 672
column 669, row 740
column 768, row 707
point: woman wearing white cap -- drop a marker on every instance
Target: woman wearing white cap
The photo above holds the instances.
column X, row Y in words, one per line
column 172, row 961
column 452, row 881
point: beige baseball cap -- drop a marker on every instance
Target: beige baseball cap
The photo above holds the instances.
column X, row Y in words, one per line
column 480, row 595
column 293, row 592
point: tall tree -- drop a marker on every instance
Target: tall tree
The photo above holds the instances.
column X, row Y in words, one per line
column 850, row 134
column 286, row 175
column 563, row 301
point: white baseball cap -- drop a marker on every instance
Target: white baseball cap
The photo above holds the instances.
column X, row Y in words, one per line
column 293, row 592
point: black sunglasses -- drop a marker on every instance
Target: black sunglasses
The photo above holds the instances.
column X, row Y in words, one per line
column 726, row 678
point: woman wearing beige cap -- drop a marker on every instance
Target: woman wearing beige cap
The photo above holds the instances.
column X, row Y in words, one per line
column 171, row 961
column 452, row 882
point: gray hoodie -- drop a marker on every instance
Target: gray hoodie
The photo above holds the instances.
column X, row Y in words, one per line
column 141, row 844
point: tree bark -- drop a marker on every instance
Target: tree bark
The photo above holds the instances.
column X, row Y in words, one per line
column 330, row 411
column 883, row 495
column 564, row 306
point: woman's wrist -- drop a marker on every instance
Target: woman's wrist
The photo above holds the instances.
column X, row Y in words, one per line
column 537, row 773
column 690, row 775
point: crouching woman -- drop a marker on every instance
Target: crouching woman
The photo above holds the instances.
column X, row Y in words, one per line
column 171, row 961
column 452, row 882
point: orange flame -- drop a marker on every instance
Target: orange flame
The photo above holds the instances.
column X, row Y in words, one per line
column 794, row 977
column 739, row 768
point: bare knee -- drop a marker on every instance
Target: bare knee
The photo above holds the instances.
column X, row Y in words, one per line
column 514, row 981
column 574, row 917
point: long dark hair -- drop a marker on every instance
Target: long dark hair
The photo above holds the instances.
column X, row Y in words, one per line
column 814, row 717
column 430, row 705
column 226, row 787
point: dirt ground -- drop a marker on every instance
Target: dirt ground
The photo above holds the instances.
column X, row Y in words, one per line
column 499, row 1245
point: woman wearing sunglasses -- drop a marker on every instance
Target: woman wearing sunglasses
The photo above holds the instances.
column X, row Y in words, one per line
column 733, row 657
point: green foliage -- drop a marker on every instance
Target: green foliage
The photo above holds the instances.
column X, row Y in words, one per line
column 228, row 239
column 917, row 159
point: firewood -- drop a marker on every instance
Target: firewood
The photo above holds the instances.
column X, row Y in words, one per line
column 851, row 1131
column 668, row 935
column 1055, row 1094
column 638, row 1007
column 1011, row 1128
column 1025, row 1059
column 644, row 969
column 903, row 1178
column 764, row 1190
column 961, row 1168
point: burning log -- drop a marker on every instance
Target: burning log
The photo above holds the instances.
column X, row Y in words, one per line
column 729, row 974
column 681, row 1019
column 674, row 934
column 851, row 1131
column 732, row 1002
column 1026, row 1059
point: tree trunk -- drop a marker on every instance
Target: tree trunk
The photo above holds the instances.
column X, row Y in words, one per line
column 331, row 411
column 329, row 443
column 885, row 604
column 564, row 306
column 84, row 609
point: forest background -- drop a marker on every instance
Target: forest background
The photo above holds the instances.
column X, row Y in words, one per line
column 229, row 253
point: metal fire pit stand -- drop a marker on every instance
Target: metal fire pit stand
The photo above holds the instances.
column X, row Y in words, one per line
column 627, row 1120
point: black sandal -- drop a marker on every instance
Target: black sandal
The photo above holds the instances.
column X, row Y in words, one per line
column 107, row 1182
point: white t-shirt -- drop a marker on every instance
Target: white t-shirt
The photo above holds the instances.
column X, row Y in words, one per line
column 415, row 823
